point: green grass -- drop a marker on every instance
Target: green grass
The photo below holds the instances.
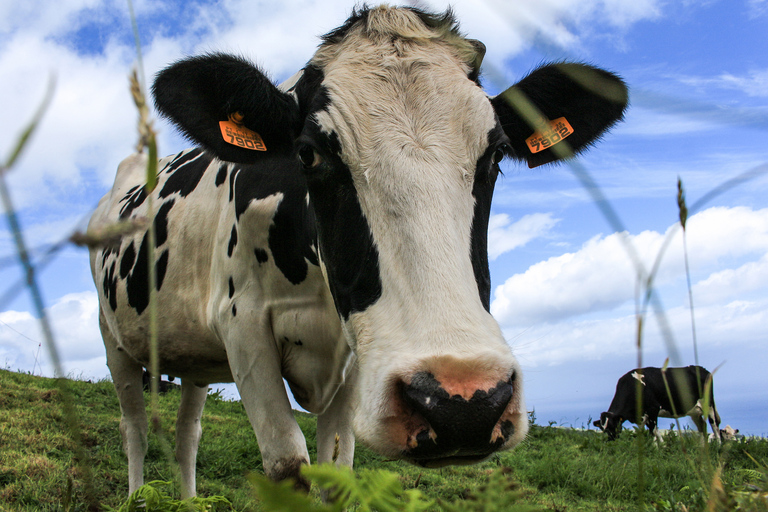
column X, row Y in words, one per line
column 557, row 469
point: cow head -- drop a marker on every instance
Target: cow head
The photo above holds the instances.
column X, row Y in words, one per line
column 400, row 149
column 609, row 423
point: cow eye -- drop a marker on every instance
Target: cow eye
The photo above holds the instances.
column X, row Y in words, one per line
column 500, row 153
column 309, row 158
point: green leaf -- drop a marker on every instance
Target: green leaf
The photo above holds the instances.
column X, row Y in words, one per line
column 283, row 497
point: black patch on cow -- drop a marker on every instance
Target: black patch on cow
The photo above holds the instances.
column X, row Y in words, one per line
column 486, row 173
column 232, row 241
column 132, row 199
column 306, row 89
column 345, row 240
column 160, row 267
column 221, row 176
column 161, row 223
column 127, row 260
column 291, row 233
column 334, row 143
column 261, row 255
column 192, row 166
column 234, row 310
column 231, row 287
column 172, row 163
column 107, row 251
column 137, row 282
column 188, row 170
column 291, row 260
column 110, row 286
column 298, row 343
column 169, row 167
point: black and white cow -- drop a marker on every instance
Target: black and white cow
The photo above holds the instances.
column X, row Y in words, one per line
column 343, row 248
column 686, row 389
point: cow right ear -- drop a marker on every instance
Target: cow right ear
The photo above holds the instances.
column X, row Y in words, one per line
column 581, row 101
column 220, row 101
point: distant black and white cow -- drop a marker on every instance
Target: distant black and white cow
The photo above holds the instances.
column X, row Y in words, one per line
column 163, row 386
column 333, row 232
column 686, row 389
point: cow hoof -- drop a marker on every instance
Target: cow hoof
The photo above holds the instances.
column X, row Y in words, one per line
column 290, row 469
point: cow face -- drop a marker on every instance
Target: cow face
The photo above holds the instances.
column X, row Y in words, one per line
column 610, row 424
column 399, row 148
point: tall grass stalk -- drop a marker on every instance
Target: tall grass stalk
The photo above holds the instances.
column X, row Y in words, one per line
column 148, row 141
column 683, row 209
column 70, row 415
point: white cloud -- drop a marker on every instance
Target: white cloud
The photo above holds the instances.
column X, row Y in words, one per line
column 91, row 121
column 660, row 122
column 556, row 20
column 600, row 276
column 758, row 7
column 75, row 322
column 754, row 83
column 504, row 235
column 732, row 282
column 728, row 328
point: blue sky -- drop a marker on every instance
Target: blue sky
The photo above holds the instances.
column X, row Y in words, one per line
column 564, row 288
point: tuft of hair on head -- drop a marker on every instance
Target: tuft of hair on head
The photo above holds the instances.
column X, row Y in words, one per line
column 388, row 24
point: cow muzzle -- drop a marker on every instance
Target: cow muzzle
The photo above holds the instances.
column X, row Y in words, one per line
column 450, row 427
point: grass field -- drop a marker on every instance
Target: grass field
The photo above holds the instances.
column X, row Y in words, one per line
column 554, row 469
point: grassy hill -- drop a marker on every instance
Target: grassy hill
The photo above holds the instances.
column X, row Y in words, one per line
column 42, row 468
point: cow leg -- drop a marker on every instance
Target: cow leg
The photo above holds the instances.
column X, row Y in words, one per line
column 652, row 422
column 714, row 420
column 126, row 376
column 188, row 432
column 337, row 420
column 256, row 370
column 698, row 420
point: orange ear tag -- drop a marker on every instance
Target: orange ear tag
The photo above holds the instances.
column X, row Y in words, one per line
column 238, row 135
column 558, row 130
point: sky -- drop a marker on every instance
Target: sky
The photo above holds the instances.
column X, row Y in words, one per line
column 565, row 289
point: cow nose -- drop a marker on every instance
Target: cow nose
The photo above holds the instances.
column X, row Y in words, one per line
column 458, row 428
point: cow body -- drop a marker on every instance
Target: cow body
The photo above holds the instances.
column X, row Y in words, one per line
column 347, row 255
column 687, row 387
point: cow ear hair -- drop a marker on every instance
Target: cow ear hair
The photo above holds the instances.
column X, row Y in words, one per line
column 199, row 92
column 590, row 99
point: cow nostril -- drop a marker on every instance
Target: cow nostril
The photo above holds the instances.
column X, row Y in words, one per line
column 424, row 393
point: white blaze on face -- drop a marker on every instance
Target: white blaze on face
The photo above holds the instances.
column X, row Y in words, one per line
column 412, row 128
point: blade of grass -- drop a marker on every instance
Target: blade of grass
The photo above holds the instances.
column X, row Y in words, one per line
column 70, row 415
column 148, row 139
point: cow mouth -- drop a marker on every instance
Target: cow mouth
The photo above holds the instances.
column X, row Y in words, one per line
column 433, row 451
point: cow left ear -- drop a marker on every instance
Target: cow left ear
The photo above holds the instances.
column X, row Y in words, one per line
column 200, row 93
column 580, row 102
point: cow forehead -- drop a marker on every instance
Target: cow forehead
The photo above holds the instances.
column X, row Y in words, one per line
column 394, row 96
